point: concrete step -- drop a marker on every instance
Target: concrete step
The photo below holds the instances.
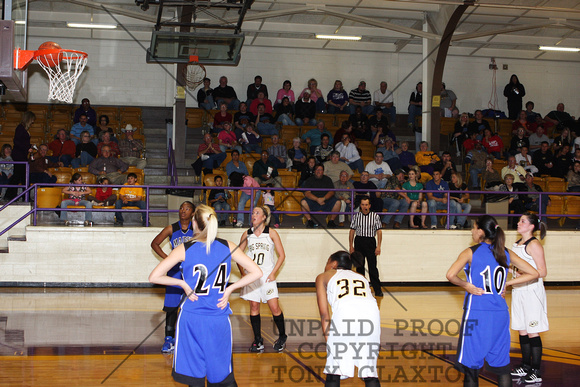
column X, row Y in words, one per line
column 156, row 180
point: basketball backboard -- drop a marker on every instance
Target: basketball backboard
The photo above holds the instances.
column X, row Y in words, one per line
column 212, row 49
column 13, row 27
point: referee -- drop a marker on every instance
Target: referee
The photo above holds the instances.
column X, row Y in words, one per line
column 366, row 224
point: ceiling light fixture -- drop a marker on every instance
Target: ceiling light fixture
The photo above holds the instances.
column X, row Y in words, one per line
column 20, row 22
column 558, row 48
column 92, row 25
column 337, row 37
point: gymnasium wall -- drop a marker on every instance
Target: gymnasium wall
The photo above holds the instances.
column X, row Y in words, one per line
column 117, row 74
column 110, row 256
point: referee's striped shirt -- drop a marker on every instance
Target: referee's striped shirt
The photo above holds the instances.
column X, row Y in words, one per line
column 366, row 225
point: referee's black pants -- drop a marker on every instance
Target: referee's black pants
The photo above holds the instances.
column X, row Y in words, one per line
column 367, row 246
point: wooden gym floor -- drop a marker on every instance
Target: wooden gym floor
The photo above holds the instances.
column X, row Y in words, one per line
column 112, row 337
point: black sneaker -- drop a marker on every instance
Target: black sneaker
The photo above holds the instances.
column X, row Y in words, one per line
column 532, row 377
column 310, row 224
column 280, row 344
column 331, row 224
column 257, row 346
column 521, row 370
column 118, row 224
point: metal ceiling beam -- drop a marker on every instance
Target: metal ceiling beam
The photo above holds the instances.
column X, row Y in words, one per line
column 269, row 14
column 524, row 27
column 116, row 10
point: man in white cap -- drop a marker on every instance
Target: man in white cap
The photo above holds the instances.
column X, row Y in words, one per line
column 131, row 148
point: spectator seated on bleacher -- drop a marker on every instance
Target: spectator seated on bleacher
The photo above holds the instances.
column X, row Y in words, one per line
column 525, row 160
column 226, row 94
column 85, row 152
column 543, row 159
column 516, row 170
column 406, row 157
column 537, row 138
column 446, row 166
column 242, row 118
column 323, row 151
column 254, row 89
column 63, row 149
column 379, row 171
column 315, row 201
column 376, row 121
column 373, row 196
column 360, row 125
column 515, row 204
column 227, row 139
column 438, row 200
column 204, row 95
column 39, row 172
column 266, row 172
column 415, row 108
column 265, row 122
column 250, row 140
column 109, row 166
column 313, row 137
column 562, row 162
column 392, row 201
column 103, row 126
column 490, row 176
column 210, row 153
column 337, row 99
column 349, row 154
column 476, row 158
column 344, row 197
column 79, row 127
column 305, row 110
column 86, row 110
column 469, row 144
column 104, row 196
column 479, row 124
column 493, row 143
column 460, row 131
column 561, row 119
column 130, row 195
column 334, row 166
column 105, row 140
column 236, row 170
column 361, row 97
column 131, row 148
column 522, row 121
column 381, row 136
column 261, row 99
column 532, row 201
column 315, row 96
column 77, row 195
column 278, row 153
column 425, row 158
column 518, row 141
column 345, row 127
column 532, row 116
column 390, row 155
column 6, row 170
column 217, row 198
column 573, row 177
column 563, row 139
column 220, row 117
column 285, row 112
column 461, row 199
column 285, row 92
column 307, row 171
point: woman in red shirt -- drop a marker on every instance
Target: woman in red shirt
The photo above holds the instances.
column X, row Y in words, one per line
column 221, row 117
column 493, row 143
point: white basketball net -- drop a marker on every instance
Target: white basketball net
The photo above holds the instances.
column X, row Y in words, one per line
column 63, row 77
column 194, row 75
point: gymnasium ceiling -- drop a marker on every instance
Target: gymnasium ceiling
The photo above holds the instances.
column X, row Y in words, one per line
column 491, row 28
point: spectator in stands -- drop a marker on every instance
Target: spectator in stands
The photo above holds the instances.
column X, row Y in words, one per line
column 315, row 96
column 130, row 196
column 104, row 196
column 392, row 201
column 479, row 124
column 518, row 141
column 514, row 91
column 376, row 121
column 270, row 202
column 461, row 131
column 476, row 157
column 446, row 166
column 382, row 135
column 6, row 170
column 543, row 159
column 218, row 199
column 561, row 140
column 531, row 201
column 313, row 137
column 406, row 157
column 516, row 170
column 88, row 111
column 39, row 172
column 131, row 148
column 227, row 94
column 576, row 155
column 103, row 126
column 448, row 101
column 337, row 99
column 227, row 139
column 525, row 160
column 22, row 148
column 238, row 167
column 469, row 144
column 210, row 153
column 438, row 200
column 514, row 202
column 414, row 200
column 85, row 151
column 522, row 121
column 250, row 139
column 315, row 201
column 265, row 122
column 561, row 119
column 76, row 193
column 243, row 114
column 459, row 195
column 360, row 124
column 261, row 99
column 334, row 166
column 307, row 171
column 573, row 177
column 266, row 172
column 415, row 108
column 345, row 127
column 491, row 177
column 255, row 89
column 425, row 158
column 390, row 155
column 383, row 100
column 531, row 115
column 245, row 196
column 344, row 197
column 455, row 113
column 305, row 110
column 367, row 188
column 297, row 155
column 379, row 171
column 492, row 143
column 361, row 97
column 285, row 91
column 562, row 162
column 109, row 166
column 204, row 95
column 285, row 112
column 323, row 151
column 63, row 149
column 278, row 153
column 349, row 154
column 537, row 138
column 220, row 117
column 105, row 140
column 79, row 127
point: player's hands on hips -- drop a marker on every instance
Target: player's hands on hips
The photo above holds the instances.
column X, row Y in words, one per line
column 271, row 278
column 223, row 302
column 189, row 292
column 474, row 290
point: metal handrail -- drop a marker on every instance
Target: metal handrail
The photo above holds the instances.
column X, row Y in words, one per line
column 171, row 167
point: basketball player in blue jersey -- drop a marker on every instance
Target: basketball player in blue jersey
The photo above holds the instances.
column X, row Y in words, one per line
column 261, row 241
column 203, row 345
column 353, row 334
column 529, row 303
column 484, row 333
column 178, row 233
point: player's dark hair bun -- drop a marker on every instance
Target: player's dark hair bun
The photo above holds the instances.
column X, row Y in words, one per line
column 343, row 259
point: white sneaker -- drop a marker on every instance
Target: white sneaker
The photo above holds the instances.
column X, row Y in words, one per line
column 453, row 227
column 239, row 225
column 434, row 227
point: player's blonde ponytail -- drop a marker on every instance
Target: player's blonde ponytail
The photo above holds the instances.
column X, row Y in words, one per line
column 207, row 225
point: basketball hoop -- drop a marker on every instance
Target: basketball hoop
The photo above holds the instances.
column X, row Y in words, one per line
column 62, row 66
column 194, row 73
